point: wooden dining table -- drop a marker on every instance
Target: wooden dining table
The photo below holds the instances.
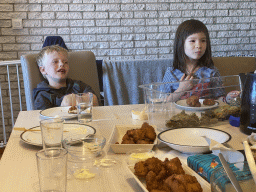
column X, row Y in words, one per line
column 18, row 166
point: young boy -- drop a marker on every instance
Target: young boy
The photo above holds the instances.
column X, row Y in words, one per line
column 58, row 89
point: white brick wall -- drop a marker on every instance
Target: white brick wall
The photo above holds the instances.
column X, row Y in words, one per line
column 115, row 28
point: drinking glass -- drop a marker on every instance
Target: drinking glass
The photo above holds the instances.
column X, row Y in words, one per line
column 84, row 102
column 52, row 132
column 52, row 169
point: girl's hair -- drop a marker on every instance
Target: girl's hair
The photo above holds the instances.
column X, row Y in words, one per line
column 46, row 50
column 184, row 30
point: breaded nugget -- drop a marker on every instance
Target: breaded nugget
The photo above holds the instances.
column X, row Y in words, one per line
column 183, row 183
column 151, row 181
column 131, row 132
column 150, row 133
column 154, row 164
column 140, row 169
column 162, row 174
column 127, row 140
column 72, row 109
column 139, row 134
column 144, row 135
column 126, row 137
column 175, row 184
column 193, row 101
column 197, row 104
column 157, row 190
column 209, row 102
column 144, row 125
column 174, row 166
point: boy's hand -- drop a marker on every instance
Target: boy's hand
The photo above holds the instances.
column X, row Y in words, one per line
column 69, row 100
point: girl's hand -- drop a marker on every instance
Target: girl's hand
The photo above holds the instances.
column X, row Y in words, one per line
column 185, row 84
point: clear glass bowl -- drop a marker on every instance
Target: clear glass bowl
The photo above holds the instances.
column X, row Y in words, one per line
column 83, row 147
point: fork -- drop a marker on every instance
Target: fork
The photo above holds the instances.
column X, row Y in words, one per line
column 24, row 129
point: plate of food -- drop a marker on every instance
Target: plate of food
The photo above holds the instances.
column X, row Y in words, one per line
column 191, row 140
column 193, row 103
column 33, row 135
column 68, row 112
column 130, row 137
column 159, row 174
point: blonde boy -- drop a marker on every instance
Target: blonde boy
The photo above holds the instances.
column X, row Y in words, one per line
column 57, row 89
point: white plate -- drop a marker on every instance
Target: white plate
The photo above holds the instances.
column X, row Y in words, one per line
column 181, row 104
column 204, row 184
column 120, row 131
column 190, row 140
column 35, row 138
column 60, row 111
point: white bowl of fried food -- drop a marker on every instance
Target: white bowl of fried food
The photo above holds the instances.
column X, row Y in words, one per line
column 131, row 137
column 167, row 175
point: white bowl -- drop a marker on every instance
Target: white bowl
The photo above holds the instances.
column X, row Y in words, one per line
column 190, row 140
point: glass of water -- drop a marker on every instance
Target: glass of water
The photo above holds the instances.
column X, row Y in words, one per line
column 52, row 132
column 84, row 103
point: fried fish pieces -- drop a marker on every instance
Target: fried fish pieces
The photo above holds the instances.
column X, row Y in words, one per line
column 209, row 102
column 149, row 131
column 174, row 166
column 144, row 135
column 193, row 101
column 183, row 183
column 141, row 170
column 156, row 185
column 154, row 164
column 166, row 176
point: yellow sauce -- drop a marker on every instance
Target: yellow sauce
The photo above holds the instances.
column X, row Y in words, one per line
column 83, row 174
column 140, row 156
column 140, row 115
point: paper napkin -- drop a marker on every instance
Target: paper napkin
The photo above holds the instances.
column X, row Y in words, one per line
column 230, row 155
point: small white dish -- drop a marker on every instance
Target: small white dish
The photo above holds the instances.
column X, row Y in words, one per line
column 182, row 104
column 120, row 131
column 60, row 111
column 190, row 140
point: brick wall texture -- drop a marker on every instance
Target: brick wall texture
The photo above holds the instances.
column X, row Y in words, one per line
column 125, row 29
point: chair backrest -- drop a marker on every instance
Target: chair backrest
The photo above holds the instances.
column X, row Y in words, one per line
column 82, row 67
column 122, row 78
column 234, row 65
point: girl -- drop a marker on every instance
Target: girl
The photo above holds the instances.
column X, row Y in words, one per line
column 192, row 60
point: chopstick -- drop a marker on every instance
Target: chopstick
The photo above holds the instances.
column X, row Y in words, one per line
column 24, row 129
column 250, row 159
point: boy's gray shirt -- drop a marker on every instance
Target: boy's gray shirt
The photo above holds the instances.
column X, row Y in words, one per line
column 46, row 97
